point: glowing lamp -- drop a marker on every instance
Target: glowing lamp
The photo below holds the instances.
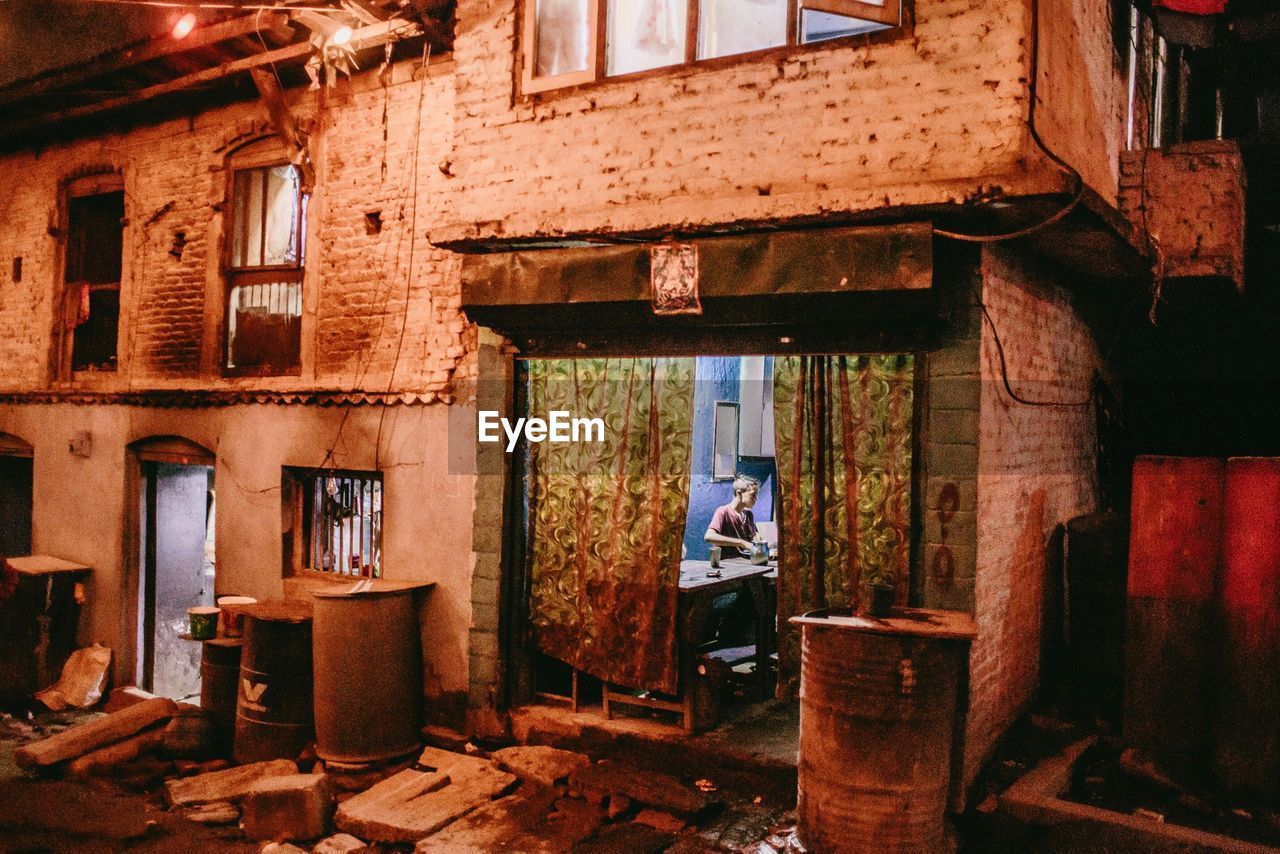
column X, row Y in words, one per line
column 184, row 26
column 340, row 36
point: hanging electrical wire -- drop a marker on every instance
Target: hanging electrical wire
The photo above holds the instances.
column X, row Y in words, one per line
column 1077, row 193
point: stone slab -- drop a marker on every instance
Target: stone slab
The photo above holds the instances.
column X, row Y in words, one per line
column 288, row 807
column 416, row 803
column 214, row 813
column 534, row 820
column 230, row 784
column 105, row 759
column 341, row 843
column 650, row 788
column 540, row 764
column 94, row 734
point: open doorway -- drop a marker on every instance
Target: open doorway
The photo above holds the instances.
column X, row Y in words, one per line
column 176, row 514
column 15, row 496
column 810, row 456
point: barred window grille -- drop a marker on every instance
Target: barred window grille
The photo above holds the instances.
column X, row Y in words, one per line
column 343, row 517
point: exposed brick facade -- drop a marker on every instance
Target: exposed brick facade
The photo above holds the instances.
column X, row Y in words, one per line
column 936, row 115
column 1036, row 469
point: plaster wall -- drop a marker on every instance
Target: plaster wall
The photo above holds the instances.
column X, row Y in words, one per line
column 82, row 510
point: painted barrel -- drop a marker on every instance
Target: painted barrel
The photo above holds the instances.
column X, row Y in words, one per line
column 368, row 664
column 877, row 721
column 274, row 718
column 219, row 676
column 1174, row 547
column 1246, row 754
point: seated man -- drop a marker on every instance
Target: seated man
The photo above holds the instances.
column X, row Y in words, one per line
column 732, row 526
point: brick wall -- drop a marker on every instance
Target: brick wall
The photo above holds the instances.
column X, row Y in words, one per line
column 928, row 117
column 374, row 300
column 1036, row 469
column 1082, row 90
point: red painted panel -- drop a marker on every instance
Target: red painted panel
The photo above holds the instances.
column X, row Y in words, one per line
column 1247, row 749
column 1251, row 546
column 1176, row 527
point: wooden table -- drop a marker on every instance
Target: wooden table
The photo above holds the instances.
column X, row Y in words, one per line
column 698, row 589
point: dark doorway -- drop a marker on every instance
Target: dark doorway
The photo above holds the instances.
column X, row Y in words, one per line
column 15, row 505
column 177, row 515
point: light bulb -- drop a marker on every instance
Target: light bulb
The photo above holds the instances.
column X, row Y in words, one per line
column 184, row 26
column 340, row 36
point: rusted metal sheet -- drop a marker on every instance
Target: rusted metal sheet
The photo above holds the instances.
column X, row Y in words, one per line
column 877, row 719
column 1246, row 757
column 1176, row 527
column 367, row 662
column 1175, row 541
column 274, row 704
column 837, row 260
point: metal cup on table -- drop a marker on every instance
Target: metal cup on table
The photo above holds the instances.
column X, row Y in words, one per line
column 715, row 557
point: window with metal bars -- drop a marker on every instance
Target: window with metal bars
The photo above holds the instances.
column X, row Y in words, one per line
column 337, row 518
column 265, row 259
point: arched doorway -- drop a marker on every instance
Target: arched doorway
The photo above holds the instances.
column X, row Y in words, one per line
column 16, row 457
column 176, row 510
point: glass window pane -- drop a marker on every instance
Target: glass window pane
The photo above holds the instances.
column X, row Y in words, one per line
column 246, row 227
column 726, row 27
column 562, row 38
column 282, row 216
column 645, row 34
column 818, row 26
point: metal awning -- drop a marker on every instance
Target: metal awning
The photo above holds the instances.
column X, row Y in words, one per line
column 810, row 284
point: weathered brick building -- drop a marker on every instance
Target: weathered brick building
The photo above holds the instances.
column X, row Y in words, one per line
column 431, row 174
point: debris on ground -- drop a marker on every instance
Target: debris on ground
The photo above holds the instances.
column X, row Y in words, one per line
column 523, row 798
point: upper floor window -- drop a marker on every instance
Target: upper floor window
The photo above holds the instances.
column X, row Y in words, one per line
column 570, row 42
column 91, row 273
column 265, row 259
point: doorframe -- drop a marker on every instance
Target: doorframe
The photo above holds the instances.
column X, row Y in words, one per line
column 136, row 618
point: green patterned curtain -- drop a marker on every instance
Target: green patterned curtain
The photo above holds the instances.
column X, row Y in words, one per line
column 606, row 519
column 843, row 427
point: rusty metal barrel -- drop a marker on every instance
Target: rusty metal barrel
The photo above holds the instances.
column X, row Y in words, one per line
column 368, row 665
column 878, row 701
column 1174, row 546
column 219, row 676
column 274, row 708
column 1246, row 753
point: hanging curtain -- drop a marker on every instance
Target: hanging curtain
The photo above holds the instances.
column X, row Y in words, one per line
column 843, row 437
column 606, row 519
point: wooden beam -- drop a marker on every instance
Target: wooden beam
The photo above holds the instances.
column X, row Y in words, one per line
column 365, row 37
column 286, row 126
column 154, row 49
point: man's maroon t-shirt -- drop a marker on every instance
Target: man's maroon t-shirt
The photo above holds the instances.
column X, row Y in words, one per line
column 739, row 524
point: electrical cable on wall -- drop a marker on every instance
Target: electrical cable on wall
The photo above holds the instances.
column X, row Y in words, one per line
column 1004, row 373
column 1077, row 193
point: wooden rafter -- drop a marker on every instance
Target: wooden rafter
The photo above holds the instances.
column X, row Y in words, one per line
column 154, row 49
column 365, row 37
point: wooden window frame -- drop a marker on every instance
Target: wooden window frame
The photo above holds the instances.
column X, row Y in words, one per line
column 300, row 538
column 258, row 158
column 894, row 14
column 96, row 184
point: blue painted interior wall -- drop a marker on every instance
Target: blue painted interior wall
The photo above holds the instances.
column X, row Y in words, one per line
column 717, row 379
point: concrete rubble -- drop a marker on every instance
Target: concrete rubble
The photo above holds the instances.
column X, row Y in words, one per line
column 523, row 798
